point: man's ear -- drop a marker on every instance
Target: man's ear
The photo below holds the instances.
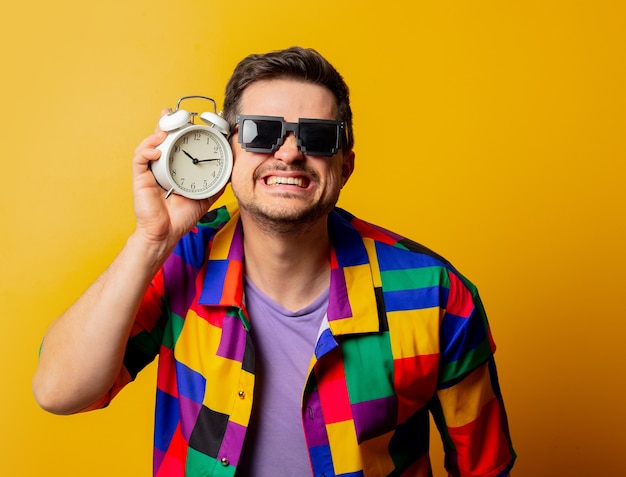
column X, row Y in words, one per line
column 347, row 168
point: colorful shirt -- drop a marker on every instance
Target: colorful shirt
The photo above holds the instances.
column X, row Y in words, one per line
column 405, row 335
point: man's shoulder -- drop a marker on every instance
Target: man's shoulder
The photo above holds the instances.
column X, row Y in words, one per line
column 387, row 241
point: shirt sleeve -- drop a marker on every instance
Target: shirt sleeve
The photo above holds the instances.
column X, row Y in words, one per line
column 147, row 332
column 468, row 408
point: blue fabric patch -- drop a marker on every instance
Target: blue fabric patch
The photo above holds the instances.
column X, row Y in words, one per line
column 166, row 422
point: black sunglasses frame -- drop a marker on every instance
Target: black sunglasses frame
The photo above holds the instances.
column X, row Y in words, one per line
column 287, row 127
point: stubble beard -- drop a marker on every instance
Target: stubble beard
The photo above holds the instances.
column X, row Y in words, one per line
column 288, row 220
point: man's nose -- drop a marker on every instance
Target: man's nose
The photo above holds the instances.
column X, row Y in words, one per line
column 289, row 151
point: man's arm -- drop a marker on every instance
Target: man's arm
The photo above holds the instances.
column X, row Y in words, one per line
column 472, row 420
column 83, row 350
column 468, row 407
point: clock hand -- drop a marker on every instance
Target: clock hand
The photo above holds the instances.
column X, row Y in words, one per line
column 195, row 161
column 208, row 160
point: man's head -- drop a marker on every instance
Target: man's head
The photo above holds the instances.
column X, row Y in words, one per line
column 295, row 63
column 289, row 113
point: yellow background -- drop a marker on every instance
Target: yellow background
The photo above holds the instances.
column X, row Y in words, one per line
column 492, row 132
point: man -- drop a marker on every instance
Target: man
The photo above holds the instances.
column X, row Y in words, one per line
column 293, row 338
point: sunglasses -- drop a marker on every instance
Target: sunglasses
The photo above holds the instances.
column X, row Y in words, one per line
column 315, row 137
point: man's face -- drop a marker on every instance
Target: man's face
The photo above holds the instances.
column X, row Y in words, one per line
column 288, row 189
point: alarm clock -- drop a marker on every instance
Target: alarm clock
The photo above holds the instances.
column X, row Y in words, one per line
column 196, row 160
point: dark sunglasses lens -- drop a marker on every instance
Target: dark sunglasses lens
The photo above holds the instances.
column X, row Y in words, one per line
column 261, row 134
column 318, row 138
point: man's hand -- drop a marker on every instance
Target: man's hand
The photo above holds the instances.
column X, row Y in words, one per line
column 161, row 222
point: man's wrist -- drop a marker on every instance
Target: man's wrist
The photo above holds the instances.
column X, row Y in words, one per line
column 150, row 253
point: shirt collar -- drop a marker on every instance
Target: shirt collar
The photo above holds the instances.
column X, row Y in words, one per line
column 352, row 299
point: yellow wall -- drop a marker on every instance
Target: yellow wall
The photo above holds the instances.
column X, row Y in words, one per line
column 490, row 131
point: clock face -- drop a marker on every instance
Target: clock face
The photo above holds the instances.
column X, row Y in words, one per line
column 198, row 162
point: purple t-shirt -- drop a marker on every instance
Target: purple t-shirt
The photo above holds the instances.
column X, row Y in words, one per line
column 284, row 343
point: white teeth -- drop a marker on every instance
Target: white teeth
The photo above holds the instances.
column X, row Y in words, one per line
column 274, row 180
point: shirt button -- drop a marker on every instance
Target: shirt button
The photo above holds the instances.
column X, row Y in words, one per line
column 241, row 394
column 224, row 462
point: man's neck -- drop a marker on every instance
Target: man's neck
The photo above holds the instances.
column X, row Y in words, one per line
column 292, row 269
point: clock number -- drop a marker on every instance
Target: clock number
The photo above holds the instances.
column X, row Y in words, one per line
column 196, row 136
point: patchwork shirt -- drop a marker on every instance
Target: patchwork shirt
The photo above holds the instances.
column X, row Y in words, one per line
column 406, row 335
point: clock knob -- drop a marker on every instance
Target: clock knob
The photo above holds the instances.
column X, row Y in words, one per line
column 174, row 120
column 217, row 121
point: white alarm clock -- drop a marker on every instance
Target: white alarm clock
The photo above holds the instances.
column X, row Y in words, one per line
column 196, row 161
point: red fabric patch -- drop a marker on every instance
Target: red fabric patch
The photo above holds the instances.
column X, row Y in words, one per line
column 166, row 378
column 173, row 462
column 373, row 233
column 482, row 442
column 333, row 390
column 460, row 300
column 415, row 380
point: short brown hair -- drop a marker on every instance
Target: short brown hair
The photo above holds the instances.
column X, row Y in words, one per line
column 297, row 63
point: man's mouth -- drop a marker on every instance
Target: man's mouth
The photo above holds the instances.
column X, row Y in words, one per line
column 280, row 180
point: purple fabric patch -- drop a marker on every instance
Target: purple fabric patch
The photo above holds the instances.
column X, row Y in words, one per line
column 313, row 421
column 180, row 284
column 236, row 247
column 189, row 411
column 338, row 303
column 374, row 418
column 157, row 458
column 233, row 341
column 232, row 443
